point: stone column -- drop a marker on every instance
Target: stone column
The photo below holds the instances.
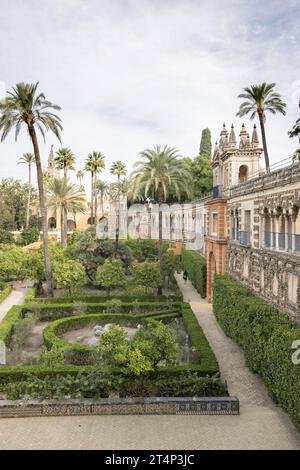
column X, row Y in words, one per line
column 263, row 231
column 286, row 229
column 275, row 231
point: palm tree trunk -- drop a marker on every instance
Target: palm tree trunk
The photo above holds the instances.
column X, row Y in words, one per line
column 264, row 141
column 65, row 215
column 160, row 237
column 96, row 202
column 29, row 196
column 62, row 226
column 118, row 215
column 43, row 210
column 92, row 197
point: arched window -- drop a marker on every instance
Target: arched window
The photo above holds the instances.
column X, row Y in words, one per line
column 243, row 173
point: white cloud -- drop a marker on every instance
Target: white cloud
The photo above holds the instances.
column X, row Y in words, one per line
column 130, row 74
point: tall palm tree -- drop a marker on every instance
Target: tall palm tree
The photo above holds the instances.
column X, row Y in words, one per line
column 67, row 197
column 118, row 168
column 29, row 159
column 159, row 171
column 259, row 100
column 64, row 160
column 102, row 189
column 94, row 164
column 79, row 176
column 24, row 105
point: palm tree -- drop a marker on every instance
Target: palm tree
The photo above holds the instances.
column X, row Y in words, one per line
column 29, row 159
column 159, row 171
column 79, row 176
column 102, row 189
column 259, row 100
column 64, row 160
column 66, row 197
column 94, row 164
column 118, row 168
column 24, row 105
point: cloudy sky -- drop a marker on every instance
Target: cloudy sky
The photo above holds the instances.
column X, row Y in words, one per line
column 132, row 73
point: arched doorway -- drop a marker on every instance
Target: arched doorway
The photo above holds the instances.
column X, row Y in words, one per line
column 243, row 173
column 52, row 223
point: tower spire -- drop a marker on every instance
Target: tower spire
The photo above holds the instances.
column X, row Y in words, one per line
column 232, row 137
column 254, row 139
column 243, row 137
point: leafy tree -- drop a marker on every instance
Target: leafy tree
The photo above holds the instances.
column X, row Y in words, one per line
column 154, row 342
column 94, row 164
column 157, row 172
column 79, row 176
column 110, row 275
column 30, row 235
column 66, row 197
column 69, row 275
column 147, row 274
column 171, row 263
column 36, row 260
column 23, row 105
column 92, row 252
column 205, row 144
column 143, row 250
column 15, row 263
column 13, row 203
column 6, row 237
column 259, row 100
column 29, row 159
column 201, row 171
column 157, row 341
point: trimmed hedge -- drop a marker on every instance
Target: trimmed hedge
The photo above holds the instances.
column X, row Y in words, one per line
column 99, row 299
column 8, row 323
column 195, row 265
column 5, row 293
column 199, row 340
column 266, row 337
column 56, row 311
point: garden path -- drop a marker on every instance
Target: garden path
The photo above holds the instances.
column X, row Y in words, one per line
column 261, row 424
column 16, row 297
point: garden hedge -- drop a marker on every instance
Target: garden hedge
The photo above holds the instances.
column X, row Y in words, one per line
column 56, row 311
column 195, row 265
column 266, row 336
column 5, row 293
column 99, row 299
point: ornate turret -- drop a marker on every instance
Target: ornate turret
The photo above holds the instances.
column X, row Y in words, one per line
column 232, row 138
column 243, row 137
column 254, row 140
column 248, row 145
column 224, row 137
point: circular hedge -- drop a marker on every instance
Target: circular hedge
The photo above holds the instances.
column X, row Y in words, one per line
column 54, row 329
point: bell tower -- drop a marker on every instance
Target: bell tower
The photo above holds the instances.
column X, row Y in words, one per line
column 235, row 162
column 51, row 168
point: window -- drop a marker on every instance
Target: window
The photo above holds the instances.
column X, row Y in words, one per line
column 214, row 229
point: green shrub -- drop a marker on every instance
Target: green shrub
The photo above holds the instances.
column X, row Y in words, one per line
column 266, row 337
column 198, row 339
column 5, row 293
column 195, row 265
column 8, row 322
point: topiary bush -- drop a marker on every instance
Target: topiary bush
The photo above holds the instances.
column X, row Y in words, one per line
column 195, row 265
column 266, row 337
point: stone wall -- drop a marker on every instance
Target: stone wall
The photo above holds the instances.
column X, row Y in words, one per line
column 121, row 406
column 267, row 274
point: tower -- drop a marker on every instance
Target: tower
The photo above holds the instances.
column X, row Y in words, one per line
column 235, row 162
column 51, row 168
